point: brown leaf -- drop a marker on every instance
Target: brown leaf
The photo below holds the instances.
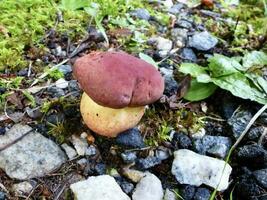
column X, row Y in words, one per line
column 120, row 32
column 16, row 100
column 183, row 86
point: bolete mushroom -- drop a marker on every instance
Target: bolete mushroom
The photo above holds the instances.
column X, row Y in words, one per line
column 117, row 86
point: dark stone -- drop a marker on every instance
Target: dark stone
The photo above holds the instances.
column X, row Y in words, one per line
column 239, row 121
column 23, row 72
column 176, row 9
column 255, row 133
column 253, row 156
column 126, row 186
column 100, row 168
column 183, row 23
column 202, row 194
column 202, row 41
column 65, row 69
column 93, row 168
column 55, row 118
column 129, row 157
column 55, row 92
column 95, row 35
column 171, row 86
column 213, row 145
column 2, row 90
column 261, row 177
column 188, row 55
column 131, row 138
column 141, row 13
column 181, row 141
column 188, row 192
column 247, row 188
column 34, row 113
column 2, row 195
column 148, row 162
column 2, row 130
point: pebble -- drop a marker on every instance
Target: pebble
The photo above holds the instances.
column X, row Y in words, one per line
column 61, row 83
column 202, row 194
column 32, row 156
column 24, row 187
column 181, row 141
column 239, row 121
column 217, row 146
column 188, row 192
column 171, row 86
column 194, row 169
column 102, row 187
column 141, row 13
column 55, row 92
column 176, row 8
column 202, row 41
column 91, row 150
column 261, row 177
column 255, row 133
column 132, row 174
column 162, row 153
column 253, row 156
column 95, row 35
column 71, row 153
column 23, row 72
column 131, row 138
column 179, row 35
column 126, row 186
column 148, row 162
column 149, row 187
column 34, row 113
column 80, row 144
column 129, row 157
column 82, row 162
column 65, row 69
column 169, row 195
column 163, row 45
column 188, row 54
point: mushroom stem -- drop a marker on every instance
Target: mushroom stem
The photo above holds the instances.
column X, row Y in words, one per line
column 109, row 121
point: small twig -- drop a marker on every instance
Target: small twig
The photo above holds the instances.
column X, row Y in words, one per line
column 29, row 69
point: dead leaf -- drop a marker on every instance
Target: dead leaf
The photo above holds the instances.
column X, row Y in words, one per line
column 183, row 86
column 16, row 100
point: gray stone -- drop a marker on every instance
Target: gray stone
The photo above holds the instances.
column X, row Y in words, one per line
column 188, row 54
column 55, row 92
column 171, row 86
column 91, row 150
column 213, row 145
column 202, row 194
column 169, row 195
column 149, row 187
column 141, row 13
column 34, row 113
column 80, row 144
column 71, row 153
column 61, row 83
column 65, row 69
column 179, row 35
column 176, row 9
column 131, row 138
column 148, row 162
column 239, row 121
column 191, row 168
column 261, row 177
column 102, row 187
column 24, row 187
column 162, row 153
column 163, row 45
column 203, row 41
column 31, row 156
column 129, row 157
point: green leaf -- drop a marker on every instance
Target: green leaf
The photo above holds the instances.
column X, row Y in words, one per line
column 239, row 85
column 74, row 4
column 254, row 59
column 204, row 78
column 199, row 91
column 29, row 97
column 93, row 10
column 193, row 69
column 221, row 65
column 148, row 59
column 263, row 83
column 101, row 29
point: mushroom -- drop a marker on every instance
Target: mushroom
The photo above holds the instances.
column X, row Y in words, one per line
column 117, row 86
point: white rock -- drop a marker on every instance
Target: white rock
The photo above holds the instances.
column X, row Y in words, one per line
column 149, row 187
column 71, row 153
column 102, row 187
column 163, row 45
column 62, row 83
column 169, row 195
column 80, row 144
column 30, row 155
column 24, row 187
column 194, row 169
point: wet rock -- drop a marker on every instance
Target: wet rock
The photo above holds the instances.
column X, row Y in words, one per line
column 202, row 194
column 65, row 69
column 30, row 157
column 239, row 121
column 131, row 138
column 148, row 162
column 55, row 92
column 247, row 187
column 129, row 157
column 149, row 187
column 141, row 13
column 181, row 141
column 202, row 41
column 179, row 36
column 80, row 144
column 255, row 133
column 213, row 145
column 176, row 8
column 34, row 113
column 171, row 86
column 71, row 153
column 169, row 195
column 102, row 187
column 163, row 45
column 61, row 83
column 254, row 156
column 188, row 55
column 261, row 177
column 188, row 192
column 22, row 188
column 191, row 168
column 91, row 150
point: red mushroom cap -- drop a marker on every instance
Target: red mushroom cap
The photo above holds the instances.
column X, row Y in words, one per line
column 117, row 79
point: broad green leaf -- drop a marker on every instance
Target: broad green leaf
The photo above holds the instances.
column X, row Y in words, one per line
column 255, row 59
column 263, row 83
column 221, row 65
column 193, row 69
column 239, row 86
column 74, row 4
column 93, row 10
column 199, row 91
column 148, row 59
column 204, row 78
